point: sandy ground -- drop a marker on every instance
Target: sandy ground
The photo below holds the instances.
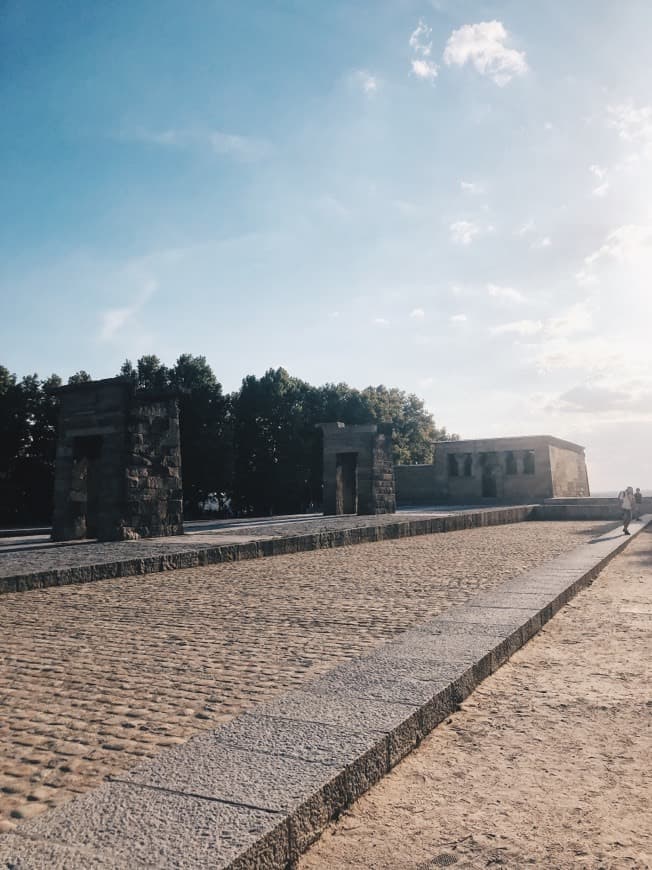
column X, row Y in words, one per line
column 95, row 677
column 547, row 764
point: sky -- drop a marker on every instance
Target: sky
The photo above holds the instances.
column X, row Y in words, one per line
column 453, row 197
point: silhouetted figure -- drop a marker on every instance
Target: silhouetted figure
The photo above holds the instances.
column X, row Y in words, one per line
column 627, row 503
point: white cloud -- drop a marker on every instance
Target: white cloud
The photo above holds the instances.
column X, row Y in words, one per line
column 366, row 81
column 590, row 354
column 380, row 321
column 543, row 242
column 471, row 187
column 577, row 318
column 607, row 396
column 630, row 244
column 632, row 123
column 483, row 46
column 505, row 294
column 600, row 174
column 464, row 232
column 417, row 313
column 245, row 148
column 518, row 327
column 424, row 69
column 241, row 147
column 526, row 228
column 420, row 40
column 421, row 45
column 114, row 320
column 556, row 350
column 458, row 318
column 585, row 278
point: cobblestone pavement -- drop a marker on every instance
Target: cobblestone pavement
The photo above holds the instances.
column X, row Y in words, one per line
column 18, row 556
column 546, row 764
column 96, row 676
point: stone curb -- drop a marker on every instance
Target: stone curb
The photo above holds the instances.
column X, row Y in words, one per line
column 25, row 532
column 258, row 791
column 212, row 555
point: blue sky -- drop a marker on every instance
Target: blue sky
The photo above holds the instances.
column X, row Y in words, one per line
column 448, row 196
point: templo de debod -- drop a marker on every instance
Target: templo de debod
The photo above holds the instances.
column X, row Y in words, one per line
column 527, row 469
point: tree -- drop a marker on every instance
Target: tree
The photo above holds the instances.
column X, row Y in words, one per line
column 274, row 443
column 152, row 374
column 28, row 417
column 206, row 439
column 80, row 377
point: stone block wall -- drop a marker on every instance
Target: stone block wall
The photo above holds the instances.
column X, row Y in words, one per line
column 118, row 463
column 523, row 470
column 383, row 489
column 358, row 469
column 569, row 475
column 415, row 484
column 154, row 504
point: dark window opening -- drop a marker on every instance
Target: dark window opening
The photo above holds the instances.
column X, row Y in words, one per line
column 510, row 463
column 468, row 465
column 87, row 447
column 528, row 462
column 453, row 470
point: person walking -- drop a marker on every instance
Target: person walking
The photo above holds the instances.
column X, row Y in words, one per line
column 627, row 503
column 638, row 499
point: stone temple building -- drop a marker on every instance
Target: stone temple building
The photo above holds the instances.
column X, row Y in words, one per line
column 358, row 469
column 118, row 463
column 509, row 470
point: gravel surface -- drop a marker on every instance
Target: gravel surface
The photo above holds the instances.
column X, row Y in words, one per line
column 547, row 764
column 97, row 676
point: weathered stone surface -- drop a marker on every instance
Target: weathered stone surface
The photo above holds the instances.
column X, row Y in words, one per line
column 310, row 793
column 305, row 741
column 118, row 463
column 358, row 469
column 18, row 852
column 126, row 826
column 516, row 470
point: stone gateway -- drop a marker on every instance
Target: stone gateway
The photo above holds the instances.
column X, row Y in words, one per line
column 118, row 463
column 358, row 469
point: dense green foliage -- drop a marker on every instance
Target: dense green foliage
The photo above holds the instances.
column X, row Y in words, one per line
column 260, row 444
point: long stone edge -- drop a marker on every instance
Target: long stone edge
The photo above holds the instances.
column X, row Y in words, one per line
column 549, row 588
column 213, row 555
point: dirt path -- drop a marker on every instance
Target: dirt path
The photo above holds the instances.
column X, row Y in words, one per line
column 547, row 764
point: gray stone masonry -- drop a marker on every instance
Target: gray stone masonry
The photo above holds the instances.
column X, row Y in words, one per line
column 518, row 470
column 358, row 469
column 118, row 463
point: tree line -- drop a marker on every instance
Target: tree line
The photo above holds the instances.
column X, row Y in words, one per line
column 259, row 445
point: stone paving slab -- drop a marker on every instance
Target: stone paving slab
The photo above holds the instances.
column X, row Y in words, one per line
column 187, row 807
column 120, row 826
column 85, row 562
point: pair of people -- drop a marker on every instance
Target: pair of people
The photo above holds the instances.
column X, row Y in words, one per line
column 629, row 501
